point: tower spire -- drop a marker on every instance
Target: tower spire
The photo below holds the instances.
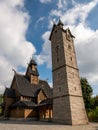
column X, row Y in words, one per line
column 32, row 72
column 60, row 23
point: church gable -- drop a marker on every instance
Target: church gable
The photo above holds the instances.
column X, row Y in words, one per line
column 41, row 96
column 46, row 88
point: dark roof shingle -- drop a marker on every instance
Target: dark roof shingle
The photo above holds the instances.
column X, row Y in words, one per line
column 46, row 102
column 25, row 88
column 29, row 104
column 33, row 72
column 9, row 92
column 46, row 88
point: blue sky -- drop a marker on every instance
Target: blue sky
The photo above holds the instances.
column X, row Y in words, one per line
column 25, row 27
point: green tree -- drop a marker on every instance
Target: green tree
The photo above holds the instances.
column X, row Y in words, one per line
column 87, row 93
column 94, row 102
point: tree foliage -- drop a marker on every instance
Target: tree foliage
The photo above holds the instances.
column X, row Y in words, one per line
column 91, row 103
column 87, row 93
column 94, row 102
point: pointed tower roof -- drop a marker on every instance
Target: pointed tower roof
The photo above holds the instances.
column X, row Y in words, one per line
column 60, row 22
column 30, row 70
column 32, row 62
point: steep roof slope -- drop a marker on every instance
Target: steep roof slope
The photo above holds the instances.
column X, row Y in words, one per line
column 9, row 92
column 25, row 88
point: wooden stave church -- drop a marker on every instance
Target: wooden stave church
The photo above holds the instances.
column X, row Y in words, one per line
column 60, row 105
column 28, row 97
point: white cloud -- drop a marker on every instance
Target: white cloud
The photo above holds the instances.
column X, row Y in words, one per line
column 78, row 13
column 57, row 13
column 45, row 1
column 86, row 49
column 15, row 50
column 79, row 30
column 86, row 41
column 62, row 4
column 73, row 2
column 39, row 21
column 45, row 55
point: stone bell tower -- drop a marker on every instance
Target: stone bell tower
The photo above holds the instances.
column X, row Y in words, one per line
column 68, row 105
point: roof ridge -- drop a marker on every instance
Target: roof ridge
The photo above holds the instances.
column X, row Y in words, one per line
column 42, row 80
column 17, row 73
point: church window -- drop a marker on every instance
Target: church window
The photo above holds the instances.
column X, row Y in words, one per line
column 73, row 74
column 57, row 59
column 69, row 47
column 57, row 49
column 55, row 31
column 75, row 88
column 71, row 58
column 57, row 53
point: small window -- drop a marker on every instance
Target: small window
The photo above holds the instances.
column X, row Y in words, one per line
column 57, row 59
column 71, row 58
column 75, row 88
column 57, row 49
column 69, row 47
column 73, row 74
column 55, row 31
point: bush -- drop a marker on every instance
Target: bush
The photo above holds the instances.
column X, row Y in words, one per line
column 93, row 115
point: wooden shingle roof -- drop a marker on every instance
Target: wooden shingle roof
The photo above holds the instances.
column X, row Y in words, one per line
column 9, row 92
column 46, row 102
column 33, row 72
column 25, row 88
column 28, row 104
